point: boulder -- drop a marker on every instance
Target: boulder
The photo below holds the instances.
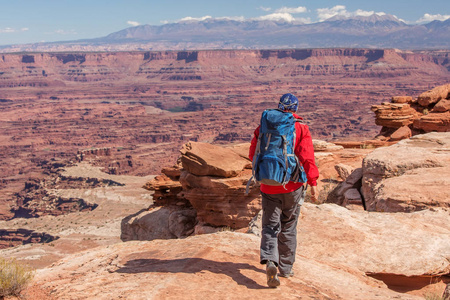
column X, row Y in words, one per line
column 159, row 223
column 408, row 176
column 442, row 106
column 439, row 122
column 320, row 145
column 352, row 196
column 401, row 99
column 204, row 159
column 182, row 222
column 147, row 225
column 355, row 177
column 352, row 182
column 343, row 170
column 402, row 133
column 434, row 95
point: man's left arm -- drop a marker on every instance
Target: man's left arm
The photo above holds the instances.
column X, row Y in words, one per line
column 305, row 152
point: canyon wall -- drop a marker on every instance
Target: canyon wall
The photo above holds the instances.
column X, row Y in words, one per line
column 143, row 106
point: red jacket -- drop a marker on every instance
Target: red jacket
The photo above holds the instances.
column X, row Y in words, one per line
column 303, row 150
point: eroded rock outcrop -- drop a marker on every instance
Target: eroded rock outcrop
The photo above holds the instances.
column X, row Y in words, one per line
column 411, row 175
column 15, row 237
column 208, row 184
column 405, row 116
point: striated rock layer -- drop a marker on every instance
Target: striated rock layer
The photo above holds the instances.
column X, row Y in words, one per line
column 405, row 115
column 212, row 180
column 411, row 175
column 130, row 112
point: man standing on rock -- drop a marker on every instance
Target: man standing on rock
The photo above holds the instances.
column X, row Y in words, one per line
column 281, row 203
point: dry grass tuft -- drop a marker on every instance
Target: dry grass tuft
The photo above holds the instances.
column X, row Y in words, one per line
column 14, row 277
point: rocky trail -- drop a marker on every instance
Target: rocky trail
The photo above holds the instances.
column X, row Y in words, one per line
column 341, row 254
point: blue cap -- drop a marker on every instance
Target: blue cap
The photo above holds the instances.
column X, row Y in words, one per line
column 288, row 102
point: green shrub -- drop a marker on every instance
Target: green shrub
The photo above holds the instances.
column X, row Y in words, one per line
column 14, row 277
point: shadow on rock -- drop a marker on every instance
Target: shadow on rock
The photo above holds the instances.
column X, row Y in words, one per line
column 193, row 265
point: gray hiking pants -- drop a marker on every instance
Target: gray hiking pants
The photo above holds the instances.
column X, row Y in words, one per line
column 279, row 228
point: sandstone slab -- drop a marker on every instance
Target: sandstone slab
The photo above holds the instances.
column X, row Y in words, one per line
column 205, row 159
column 320, row 145
column 409, row 175
column 434, row 95
column 442, row 106
column 409, row 244
column 439, row 122
column 338, row 253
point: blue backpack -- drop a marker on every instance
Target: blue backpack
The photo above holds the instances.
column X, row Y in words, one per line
column 274, row 162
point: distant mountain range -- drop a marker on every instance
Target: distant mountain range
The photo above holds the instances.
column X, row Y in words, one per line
column 375, row 31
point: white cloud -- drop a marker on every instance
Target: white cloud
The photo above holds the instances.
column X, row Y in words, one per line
column 340, row 10
column 276, row 17
column 406, row 22
column 187, row 19
column 363, row 13
column 12, row 30
column 265, row 8
column 241, row 19
column 195, row 19
column 291, row 10
column 326, row 13
column 133, row 23
column 429, row 18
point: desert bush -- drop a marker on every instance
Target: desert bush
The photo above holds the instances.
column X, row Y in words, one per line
column 329, row 185
column 14, row 277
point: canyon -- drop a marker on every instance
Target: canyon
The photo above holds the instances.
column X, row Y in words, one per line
column 83, row 132
column 130, row 112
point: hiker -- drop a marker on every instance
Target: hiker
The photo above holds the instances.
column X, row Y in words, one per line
column 281, row 202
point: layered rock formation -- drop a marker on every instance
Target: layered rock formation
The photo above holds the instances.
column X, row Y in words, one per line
column 15, row 237
column 406, row 116
column 212, row 181
column 143, row 105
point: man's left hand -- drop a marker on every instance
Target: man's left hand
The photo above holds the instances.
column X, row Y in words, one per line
column 314, row 194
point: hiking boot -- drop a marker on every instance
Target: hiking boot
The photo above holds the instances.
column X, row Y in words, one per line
column 287, row 275
column 272, row 277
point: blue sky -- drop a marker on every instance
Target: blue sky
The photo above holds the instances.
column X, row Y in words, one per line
column 30, row 21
